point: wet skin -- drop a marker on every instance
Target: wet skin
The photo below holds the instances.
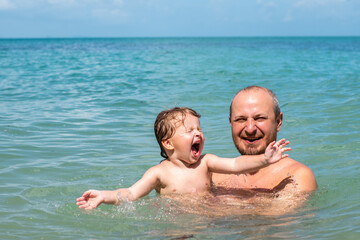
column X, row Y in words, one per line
column 254, row 125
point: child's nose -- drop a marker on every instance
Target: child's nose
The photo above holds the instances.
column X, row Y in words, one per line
column 197, row 132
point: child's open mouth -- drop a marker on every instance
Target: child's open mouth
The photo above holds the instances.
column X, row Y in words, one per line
column 195, row 149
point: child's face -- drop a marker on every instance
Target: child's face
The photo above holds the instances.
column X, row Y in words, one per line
column 188, row 140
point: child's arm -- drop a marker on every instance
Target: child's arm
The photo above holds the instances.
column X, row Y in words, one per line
column 93, row 198
column 248, row 163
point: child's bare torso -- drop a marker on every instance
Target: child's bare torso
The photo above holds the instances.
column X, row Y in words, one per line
column 181, row 179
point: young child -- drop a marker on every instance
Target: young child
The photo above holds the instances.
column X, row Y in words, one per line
column 184, row 169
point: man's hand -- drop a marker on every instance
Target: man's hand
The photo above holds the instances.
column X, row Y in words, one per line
column 275, row 151
column 90, row 199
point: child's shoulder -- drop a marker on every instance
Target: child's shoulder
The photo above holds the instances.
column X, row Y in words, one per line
column 155, row 171
column 162, row 166
column 208, row 156
column 156, row 168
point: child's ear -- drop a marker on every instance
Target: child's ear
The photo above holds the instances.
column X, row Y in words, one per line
column 167, row 144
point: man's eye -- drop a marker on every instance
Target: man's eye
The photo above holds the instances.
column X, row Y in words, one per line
column 260, row 118
column 240, row 120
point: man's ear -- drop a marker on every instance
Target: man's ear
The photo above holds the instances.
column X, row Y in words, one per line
column 279, row 121
column 167, row 144
column 229, row 119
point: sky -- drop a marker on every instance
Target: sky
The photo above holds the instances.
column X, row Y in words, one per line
column 178, row 18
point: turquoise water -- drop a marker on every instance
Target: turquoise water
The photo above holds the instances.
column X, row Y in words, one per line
column 78, row 114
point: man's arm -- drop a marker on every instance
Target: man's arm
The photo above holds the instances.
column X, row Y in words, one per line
column 305, row 180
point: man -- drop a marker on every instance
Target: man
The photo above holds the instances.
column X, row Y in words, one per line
column 255, row 119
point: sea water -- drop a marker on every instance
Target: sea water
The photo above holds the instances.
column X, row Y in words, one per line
column 77, row 114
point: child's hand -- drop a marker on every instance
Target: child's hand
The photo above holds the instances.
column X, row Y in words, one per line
column 90, row 199
column 274, row 152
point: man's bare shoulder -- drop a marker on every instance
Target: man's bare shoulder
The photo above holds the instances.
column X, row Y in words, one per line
column 271, row 177
column 303, row 176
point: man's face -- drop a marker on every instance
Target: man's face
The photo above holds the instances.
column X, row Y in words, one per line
column 253, row 122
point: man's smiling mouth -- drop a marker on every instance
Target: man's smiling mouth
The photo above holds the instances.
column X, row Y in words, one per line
column 252, row 140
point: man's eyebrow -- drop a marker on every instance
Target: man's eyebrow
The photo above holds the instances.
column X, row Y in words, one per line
column 240, row 116
column 261, row 115
column 257, row 115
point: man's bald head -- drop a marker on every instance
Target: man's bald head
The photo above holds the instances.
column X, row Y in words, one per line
column 258, row 88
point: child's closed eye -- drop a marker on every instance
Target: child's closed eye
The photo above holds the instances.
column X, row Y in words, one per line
column 192, row 130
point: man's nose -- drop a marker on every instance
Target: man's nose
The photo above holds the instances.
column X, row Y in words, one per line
column 250, row 127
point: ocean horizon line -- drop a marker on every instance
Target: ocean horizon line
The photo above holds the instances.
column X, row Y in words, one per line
column 178, row 37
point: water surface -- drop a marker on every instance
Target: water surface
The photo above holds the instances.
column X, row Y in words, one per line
column 78, row 114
